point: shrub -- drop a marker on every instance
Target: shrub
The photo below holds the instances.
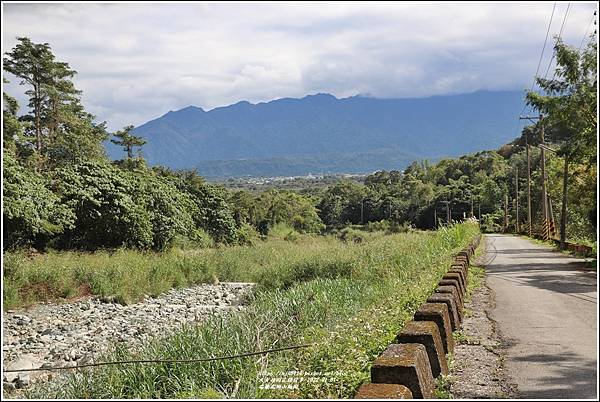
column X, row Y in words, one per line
column 170, row 210
column 396, row 227
column 32, row 214
column 101, row 197
column 351, row 235
column 490, row 223
column 292, row 235
column 381, row 226
column 247, row 235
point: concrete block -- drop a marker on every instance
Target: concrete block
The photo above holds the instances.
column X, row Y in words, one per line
column 438, row 313
column 461, row 259
column 464, row 267
column 461, row 273
column 427, row 334
column 454, row 292
column 456, row 284
column 456, row 277
column 406, row 364
column 453, row 311
column 383, row 391
column 464, row 254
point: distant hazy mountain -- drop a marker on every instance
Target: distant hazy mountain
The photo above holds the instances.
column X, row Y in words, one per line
column 323, row 134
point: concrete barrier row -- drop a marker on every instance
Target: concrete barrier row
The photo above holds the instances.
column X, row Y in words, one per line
column 578, row 248
column 408, row 367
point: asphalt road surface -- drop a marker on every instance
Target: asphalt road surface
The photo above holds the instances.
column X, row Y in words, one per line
column 546, row 311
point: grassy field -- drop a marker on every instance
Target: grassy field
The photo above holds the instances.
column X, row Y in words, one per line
column 348, row 300
column 128, row 275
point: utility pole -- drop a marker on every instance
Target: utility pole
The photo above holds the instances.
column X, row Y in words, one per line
column 517, row 199
column 528, row 189
column 505, row 212
column 435, row 218
column 362, row 208
column 543, row 163
column 447, row 211
column 563, row 212
column 472, row 215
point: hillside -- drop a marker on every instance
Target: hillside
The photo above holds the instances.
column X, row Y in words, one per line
column 323, row 134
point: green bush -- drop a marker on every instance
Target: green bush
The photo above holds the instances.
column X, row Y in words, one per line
column 171, row 211
column 32, row 214
column 396, row 227
column 351, row 235
column 103, row 199
column 213, row 213
column 247, row 235
column 378, row 226
column 292, row 236
column 490, row 223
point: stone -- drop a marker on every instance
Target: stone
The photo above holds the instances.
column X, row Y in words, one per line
column 426, row 333
column 23, row 380
column 8, row 386
column 383, row 391
column 65, row 333
column 460, row 272
column 438, row 313
column 452, row 282
column 456, row 277
column 451, row 290
column 462, row 256
column 405, row 364
column 464, row 268
column 25, row 361
column 455, row 318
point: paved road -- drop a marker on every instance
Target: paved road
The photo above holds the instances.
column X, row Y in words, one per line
column 546, row 310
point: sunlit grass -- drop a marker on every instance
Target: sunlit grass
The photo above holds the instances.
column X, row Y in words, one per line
column 349, row 300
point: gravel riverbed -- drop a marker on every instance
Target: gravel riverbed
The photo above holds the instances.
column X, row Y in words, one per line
column 68, row 334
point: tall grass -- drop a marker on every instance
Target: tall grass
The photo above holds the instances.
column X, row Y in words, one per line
column 349, row 300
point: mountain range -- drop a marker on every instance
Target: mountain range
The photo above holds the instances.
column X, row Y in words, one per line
column 323, row 134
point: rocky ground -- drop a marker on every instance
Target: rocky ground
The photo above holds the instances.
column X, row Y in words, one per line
column 50, row 334
column 478, row 369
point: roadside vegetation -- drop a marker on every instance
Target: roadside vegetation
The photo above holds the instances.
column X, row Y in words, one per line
column 341, row 266
column 61, row 191
column 347, row 299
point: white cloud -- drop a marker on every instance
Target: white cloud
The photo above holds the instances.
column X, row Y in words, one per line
column 138, row 61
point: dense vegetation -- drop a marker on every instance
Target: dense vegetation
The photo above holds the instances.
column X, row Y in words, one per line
column 61, row 191
column 348, row 299
column 331, row 265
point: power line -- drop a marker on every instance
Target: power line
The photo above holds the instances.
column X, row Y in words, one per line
column 543, row 48
column 206, row 359
column 562, row 27
column 539, row 63
column 586, row 32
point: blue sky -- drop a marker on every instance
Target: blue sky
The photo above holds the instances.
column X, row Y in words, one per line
column 136, row 61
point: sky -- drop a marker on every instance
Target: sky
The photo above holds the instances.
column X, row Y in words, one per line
column 137, row 61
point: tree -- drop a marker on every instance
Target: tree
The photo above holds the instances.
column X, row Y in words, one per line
column 59, row 128
column 569, row 101
column 36, row 66
column 32, row 213
column 12, row 129
column 128, row 141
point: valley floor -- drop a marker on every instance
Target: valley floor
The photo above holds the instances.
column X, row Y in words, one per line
column 69, row 334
